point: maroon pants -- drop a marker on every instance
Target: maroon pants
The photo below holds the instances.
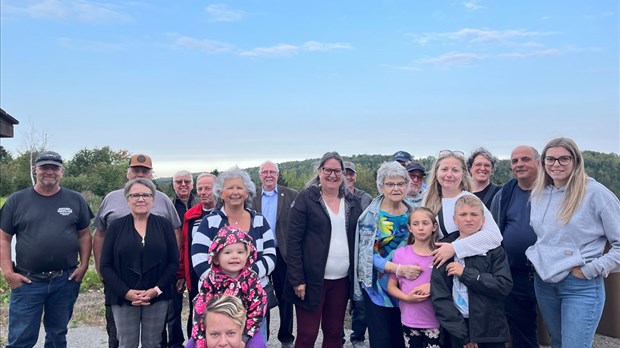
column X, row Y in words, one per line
column 330, row 315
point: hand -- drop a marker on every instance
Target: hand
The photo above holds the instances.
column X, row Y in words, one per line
column 136, row 297
column 180, row 285
column 424, row 289
column 443, row 253
column 455, row 268
column 15, row 280
column 300, row 291
column 79, row 273
column 408, row 271
column 471, row 345
column 414, row 297
column 576, row 271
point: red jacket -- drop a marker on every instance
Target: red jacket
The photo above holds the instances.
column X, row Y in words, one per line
column 193, row 213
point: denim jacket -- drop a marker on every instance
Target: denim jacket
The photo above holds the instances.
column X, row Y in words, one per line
column 365, row 235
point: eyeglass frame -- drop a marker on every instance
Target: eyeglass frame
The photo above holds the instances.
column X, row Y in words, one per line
column 137, row 196
column 181, row 182
column 328, row 171
column 393, row 185
column 566, row 159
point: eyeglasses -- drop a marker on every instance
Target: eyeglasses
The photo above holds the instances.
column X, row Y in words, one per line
column 563, row 160
column 137, row 196
column 181, row 182
column 416, row 177
column 269, row 172
column 444, row 153
column 391, row 185
column 329, row 171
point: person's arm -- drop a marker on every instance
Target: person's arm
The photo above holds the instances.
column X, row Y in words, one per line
column 200, row 248
column 85, row 240
column 172, row 257
column 255, row 303
column 97, row 248
column 296, row 236
column 14, row 280
column 178, row 236
column 446, row 312
column 397, row 293
column 488, row 238
column 609, row 221
column 267, row 262
column 497, row 283
column 106, row 267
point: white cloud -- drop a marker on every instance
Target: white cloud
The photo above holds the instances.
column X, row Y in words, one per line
column 287, row 50
column 65, row 10
column 209, row 46
column 451, row 58
column 537, row 53
column 472, row 5
column 473, row 35
column 223, row 13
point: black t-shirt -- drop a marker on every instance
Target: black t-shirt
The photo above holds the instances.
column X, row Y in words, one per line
column 486, row 195
column 46, row 228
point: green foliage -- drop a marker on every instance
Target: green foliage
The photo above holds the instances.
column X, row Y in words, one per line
column 91, row 282
column 5, row 291
column 5, row 156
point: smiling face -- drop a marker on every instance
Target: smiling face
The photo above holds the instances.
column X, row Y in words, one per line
column 221, row 331
column 204, row 190
column 394, row 188
column 234, row 192
column 417, row 179
column 468, row 219
column 183, row 186
column 524, row 165
column 269, row 176
column 481, row 169
column 331, row 175
column 450, row 175
column 232, row 258
column 559, row 173
column 48, row 176
column 351, row 179
column 140, row 199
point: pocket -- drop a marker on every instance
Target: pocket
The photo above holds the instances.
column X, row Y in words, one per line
column 554, row 262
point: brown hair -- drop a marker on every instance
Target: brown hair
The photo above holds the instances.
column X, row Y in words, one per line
column 431, row 216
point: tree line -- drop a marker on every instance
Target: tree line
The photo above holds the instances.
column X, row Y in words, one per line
column 96, row 172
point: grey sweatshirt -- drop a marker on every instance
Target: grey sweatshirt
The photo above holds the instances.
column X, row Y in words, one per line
column 580, row 242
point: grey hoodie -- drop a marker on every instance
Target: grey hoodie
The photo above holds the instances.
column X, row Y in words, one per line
column 580, row 242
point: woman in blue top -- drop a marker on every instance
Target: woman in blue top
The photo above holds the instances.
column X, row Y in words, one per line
column 573, row 217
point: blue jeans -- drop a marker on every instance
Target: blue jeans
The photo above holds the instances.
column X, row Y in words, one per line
column 571, row 309
column 54, row 299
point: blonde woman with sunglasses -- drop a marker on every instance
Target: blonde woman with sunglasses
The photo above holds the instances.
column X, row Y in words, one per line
column 449, row 180
column 573, row 217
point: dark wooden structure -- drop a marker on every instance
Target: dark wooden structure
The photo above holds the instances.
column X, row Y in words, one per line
column 6, row 124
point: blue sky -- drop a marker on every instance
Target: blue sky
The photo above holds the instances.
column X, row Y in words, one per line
column 200, row 85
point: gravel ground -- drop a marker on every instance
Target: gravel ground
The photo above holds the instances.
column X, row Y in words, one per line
column 95, row 337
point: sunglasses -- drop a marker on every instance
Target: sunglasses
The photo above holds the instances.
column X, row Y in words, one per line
column 445, row 153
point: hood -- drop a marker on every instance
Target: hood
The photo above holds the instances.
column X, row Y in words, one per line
column 228, row 235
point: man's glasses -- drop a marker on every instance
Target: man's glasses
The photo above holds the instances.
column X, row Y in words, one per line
column 181, row 182
column 329, row 171
column 137, row 196
column 269, row 172
column 416, row 177
column 391, row 185
column 563, row 160
column 444, row 153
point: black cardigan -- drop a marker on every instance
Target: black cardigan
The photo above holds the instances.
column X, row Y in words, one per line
column 126, row 265
column 308, row 241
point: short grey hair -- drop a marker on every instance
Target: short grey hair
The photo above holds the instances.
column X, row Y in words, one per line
column 260, row 168
column 183, row 173
column 231, row 174
column 391, row 170
column 206, row 175
column 485, row 153
column 146, row 182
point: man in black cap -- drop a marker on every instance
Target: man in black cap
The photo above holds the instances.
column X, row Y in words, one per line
column 402, row 157
column 417, row 189
column 52, row 228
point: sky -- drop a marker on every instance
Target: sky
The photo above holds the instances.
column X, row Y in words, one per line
column 201, row 85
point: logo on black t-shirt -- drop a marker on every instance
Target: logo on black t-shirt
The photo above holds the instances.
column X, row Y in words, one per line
column 64, row 211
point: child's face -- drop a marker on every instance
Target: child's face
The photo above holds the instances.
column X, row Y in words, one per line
column 468, row 219
column 232, row 258
column 421, row 226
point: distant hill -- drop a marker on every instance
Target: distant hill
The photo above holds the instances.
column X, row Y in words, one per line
column 603, row 167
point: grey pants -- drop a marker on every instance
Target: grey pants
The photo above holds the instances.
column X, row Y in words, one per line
column 135, row 323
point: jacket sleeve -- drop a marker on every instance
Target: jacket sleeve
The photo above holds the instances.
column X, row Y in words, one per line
column 172, row 256
column 296, row 235
column 183, row 252
column 255, row 302
column 446, row 312
column 266, row 263
column 200, row 248
column 486, row 239
column 108, row 271
column 497, row 283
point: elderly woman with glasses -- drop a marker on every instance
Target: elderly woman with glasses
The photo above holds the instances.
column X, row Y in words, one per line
column 234, row 191
column 450, row 180
column 319, row 255
column 139, row 261
column 574, row 217
column 381, row 229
